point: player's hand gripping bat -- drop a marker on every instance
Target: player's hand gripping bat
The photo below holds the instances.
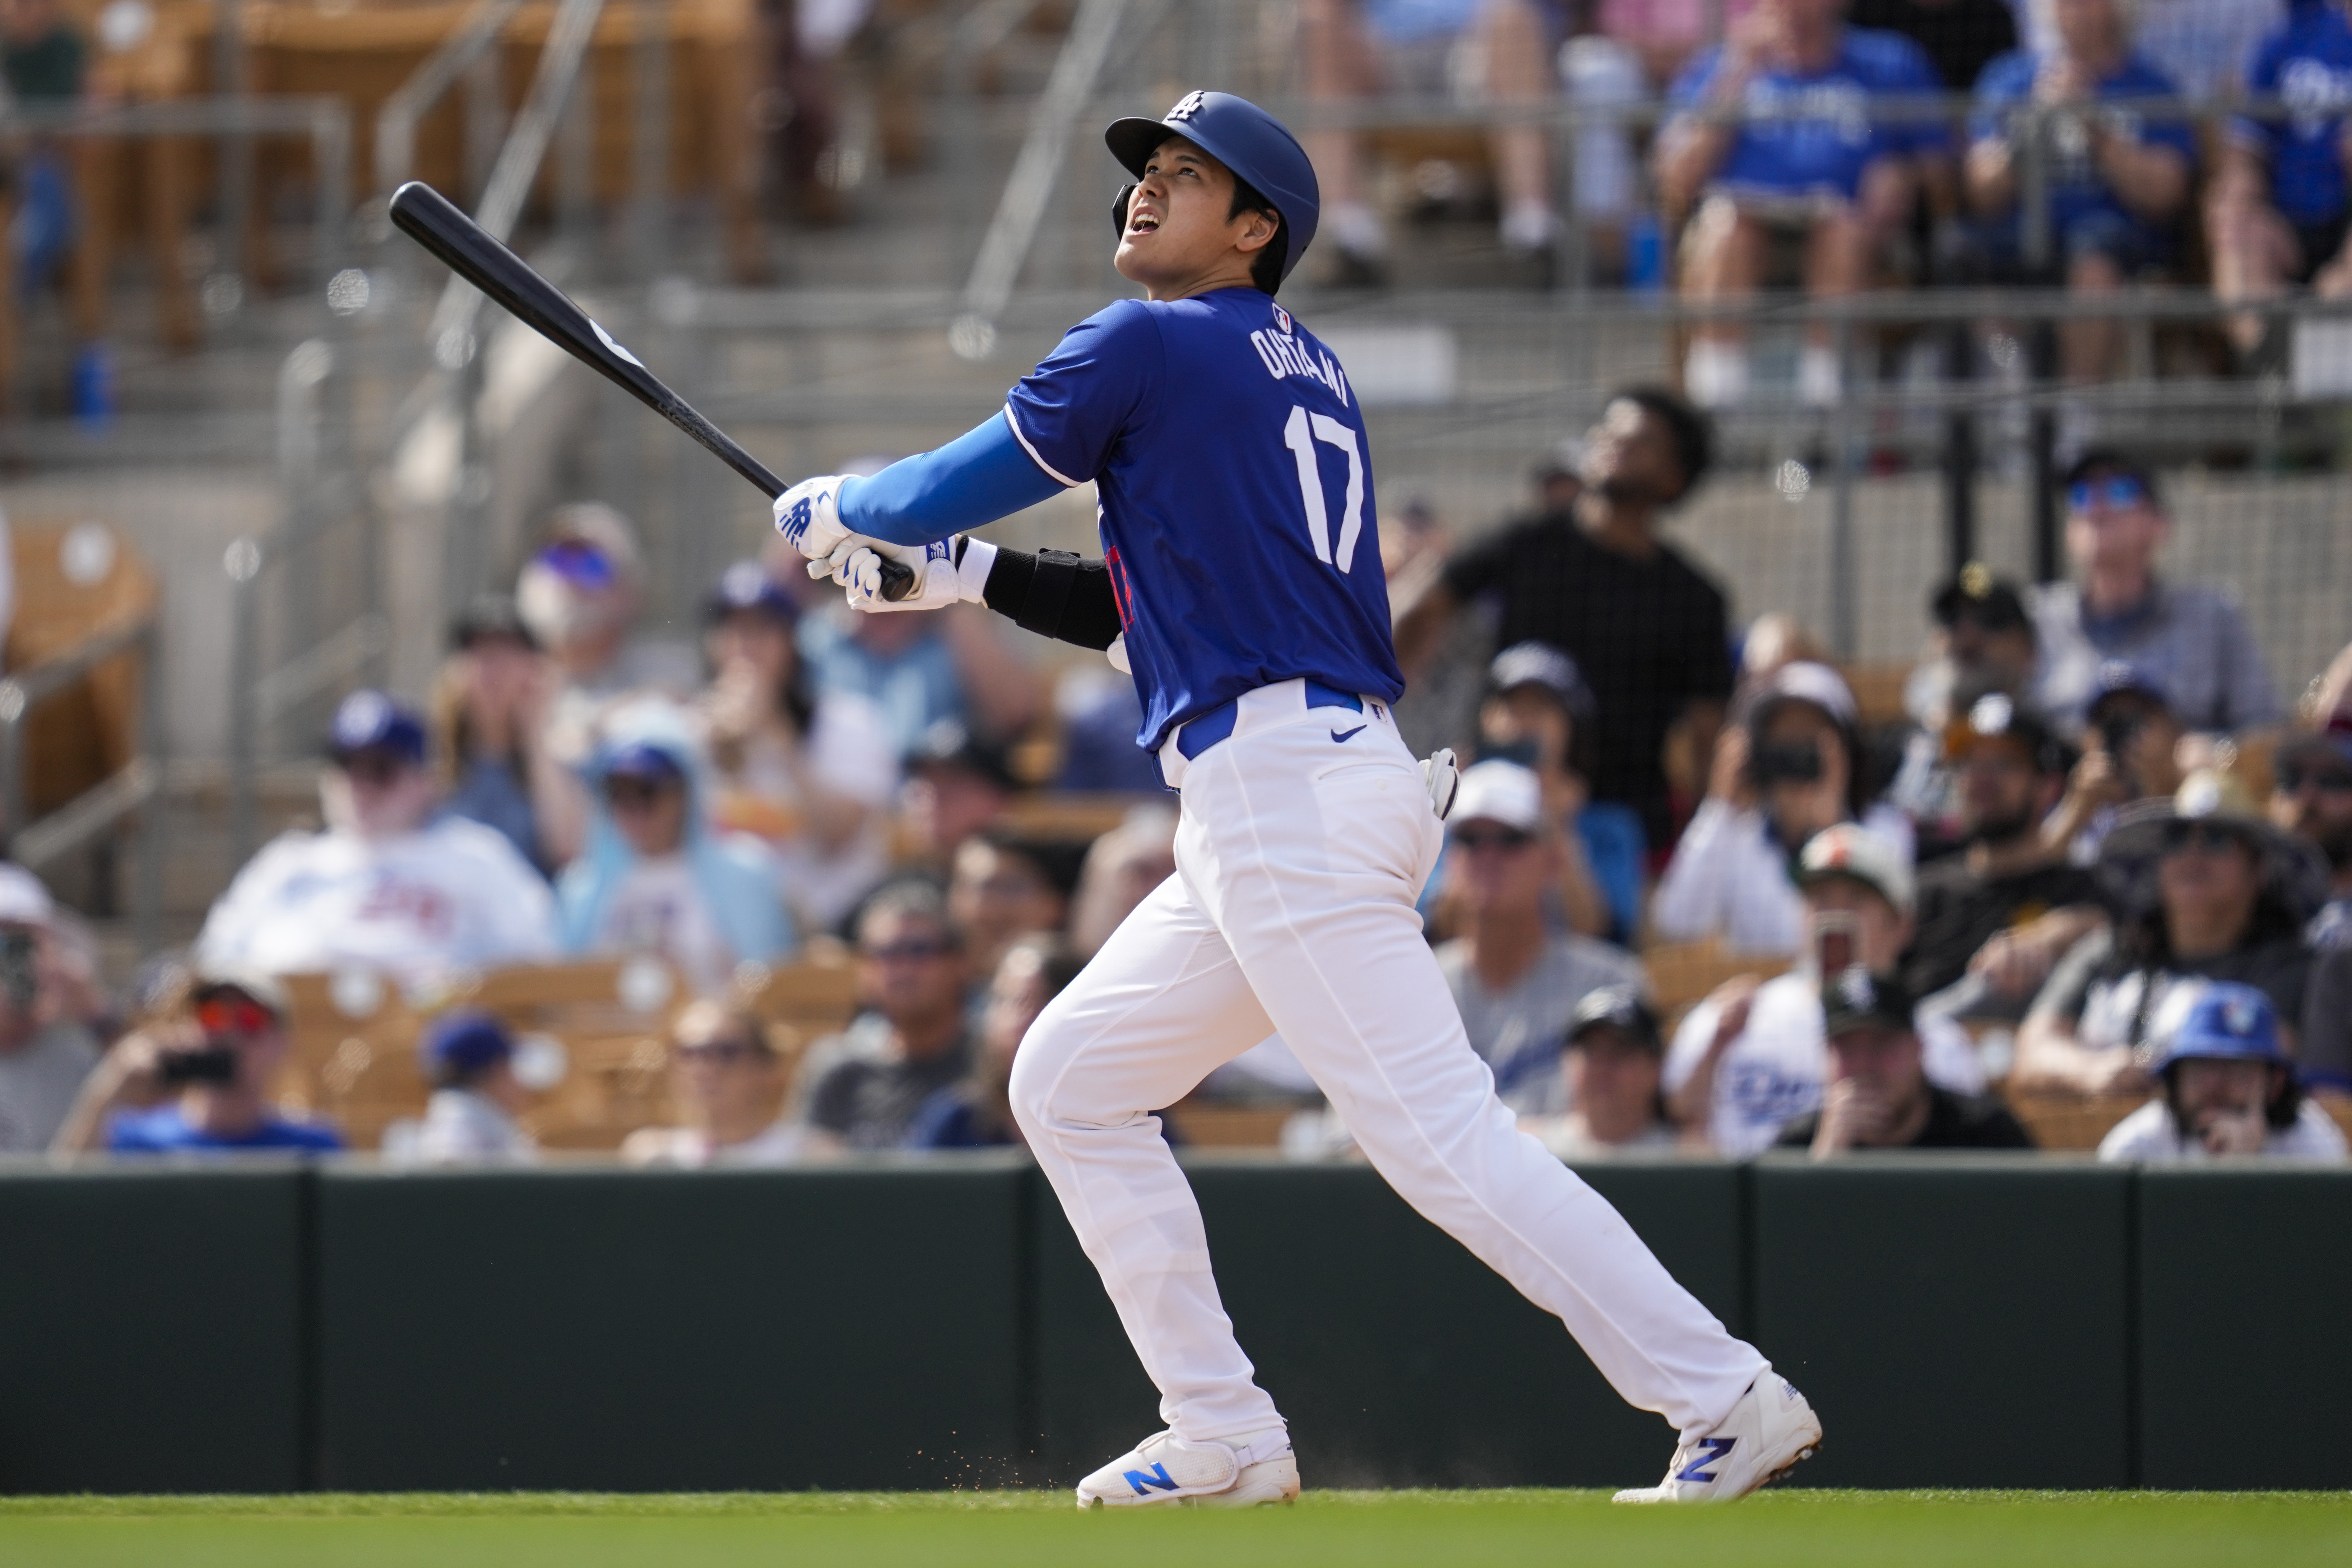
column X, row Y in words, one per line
column 428, row 217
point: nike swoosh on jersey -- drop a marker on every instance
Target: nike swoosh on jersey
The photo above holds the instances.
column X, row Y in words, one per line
column 1349, row 735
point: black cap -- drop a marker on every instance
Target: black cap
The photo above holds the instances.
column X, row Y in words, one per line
column 490, row 616
column 948, row 743
column 1857, row 999
column 1989, row 601
column 1622, row 1008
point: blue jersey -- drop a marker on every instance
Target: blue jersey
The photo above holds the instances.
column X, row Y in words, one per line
column 163, row 1130
column 1236, row 487
column 2307, row 64
column 2077, row 189
column 1824, row 153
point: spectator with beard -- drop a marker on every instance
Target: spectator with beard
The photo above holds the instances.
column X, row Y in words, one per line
column 1643, row 624
column 1878, row 1094
column 2205, row 888
column 2312, row 800
column 2131, row 751
column 2224, row 1086
column 2005, row 907
column 1983, row 645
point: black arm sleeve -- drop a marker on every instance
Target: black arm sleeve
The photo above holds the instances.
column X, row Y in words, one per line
column 1055, row 594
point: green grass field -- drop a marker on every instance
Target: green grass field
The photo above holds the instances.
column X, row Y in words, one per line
column 1363, row 1529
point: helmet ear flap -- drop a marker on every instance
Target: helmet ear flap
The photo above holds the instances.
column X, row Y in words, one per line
column 1119, row 208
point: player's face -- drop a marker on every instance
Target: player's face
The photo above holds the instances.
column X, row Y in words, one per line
column 1181, row 229
column 1628, row 454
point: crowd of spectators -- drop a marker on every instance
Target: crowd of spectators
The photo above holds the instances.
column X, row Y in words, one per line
column 2093, row 860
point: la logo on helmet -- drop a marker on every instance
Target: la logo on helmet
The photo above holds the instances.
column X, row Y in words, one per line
column 1186, row 107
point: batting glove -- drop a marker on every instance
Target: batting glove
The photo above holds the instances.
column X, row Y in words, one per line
column 809, row 516
column 953, row 569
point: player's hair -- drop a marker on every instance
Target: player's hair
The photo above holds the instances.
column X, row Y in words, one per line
column 1266, row 266
column 1693, row 438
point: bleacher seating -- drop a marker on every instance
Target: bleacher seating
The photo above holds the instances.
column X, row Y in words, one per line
column 76, row 579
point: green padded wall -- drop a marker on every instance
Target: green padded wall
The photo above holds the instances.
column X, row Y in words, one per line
column 2245, row 1292
column 649, row 1331
column 1398, row 1358
column 1956, row 1321
column 151, row 1330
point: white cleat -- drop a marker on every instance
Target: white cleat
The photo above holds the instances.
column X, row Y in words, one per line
column 1165, row 1468
column 1761, row 1440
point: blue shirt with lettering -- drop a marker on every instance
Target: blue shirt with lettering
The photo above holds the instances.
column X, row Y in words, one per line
column 1824, row 151
column 1234, row 483
column 2307, row 64
column 2077, row 190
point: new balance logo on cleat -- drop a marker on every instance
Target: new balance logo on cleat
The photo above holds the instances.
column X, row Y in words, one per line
column 1697, row 1470
column 1143, row 1483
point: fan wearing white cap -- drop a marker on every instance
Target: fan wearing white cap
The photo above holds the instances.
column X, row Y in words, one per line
column 1753, row 1056
column 1517, row 979
column 1791, row 768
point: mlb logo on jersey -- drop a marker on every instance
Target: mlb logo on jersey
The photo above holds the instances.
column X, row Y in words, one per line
column 1282, row 319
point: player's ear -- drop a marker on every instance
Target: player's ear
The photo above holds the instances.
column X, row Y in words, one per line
column 1262, row 228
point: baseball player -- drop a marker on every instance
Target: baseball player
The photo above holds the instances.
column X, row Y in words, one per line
column 1239, row 583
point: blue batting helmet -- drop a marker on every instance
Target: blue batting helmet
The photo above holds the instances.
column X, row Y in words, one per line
column 1247, row 140
column 2202, row 1020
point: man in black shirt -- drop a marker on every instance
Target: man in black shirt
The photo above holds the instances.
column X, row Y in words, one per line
column 1878, row 1097
column 863, row 1087
column 1646, row 629
column 1960, row 37
column 2004, row 883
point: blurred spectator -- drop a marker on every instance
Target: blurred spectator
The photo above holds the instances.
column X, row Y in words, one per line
column 1820, row 194
column 727, row 1080
column 917, row 670
column 1643, row 625
column 2006, row 905
column 1609, row 1069
column 1879, row 1096
column 1100, row 714
column 2311, row 797
column 2204, row 887
column 46, row 62
column 977, row 1112
column 1495, row 52
column 44, row 1052
column 658, row 877
column 2118, row 176
column 385, row 885
column 864, row 1086
column 2190, row 639
column 1122, row 867
column 1750, row 1058
column 1983, row 645
column 1541, row 713
column 956, row 785
column 1959, row 38
column 2131, row 750
column 2224, row 1086
column 468, row 1059
column 1792, row 768
column 1516, row 979
column 489, row 717
column 194, row 1080
column 2278, row 209
column 1440, row 707
column 1003, row 887
column 2205, row 46
column 813, row 780
column 581, row 594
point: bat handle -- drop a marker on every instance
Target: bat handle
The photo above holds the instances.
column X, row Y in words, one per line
column 896, row 580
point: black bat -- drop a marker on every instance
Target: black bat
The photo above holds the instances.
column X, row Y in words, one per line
column 431, row 219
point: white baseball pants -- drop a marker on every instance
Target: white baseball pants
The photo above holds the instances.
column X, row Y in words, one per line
column 1298, row 857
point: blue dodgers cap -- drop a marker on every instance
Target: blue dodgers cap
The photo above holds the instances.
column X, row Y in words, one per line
column 746, row 585
column 2206, row 1020
column 1247, row 140
column 370, row 720
column 460, row 1044
column 642, row 760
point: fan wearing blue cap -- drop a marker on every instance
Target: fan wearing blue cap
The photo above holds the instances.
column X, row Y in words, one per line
column 388, row 885
column 467, row 1056
column 2224, row 1085
column 1240, row 584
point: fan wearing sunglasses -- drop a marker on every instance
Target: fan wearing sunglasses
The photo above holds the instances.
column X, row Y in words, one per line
column 196, row 1077
column 727, row 1081
column 2312, row 798
column 2189, row 637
